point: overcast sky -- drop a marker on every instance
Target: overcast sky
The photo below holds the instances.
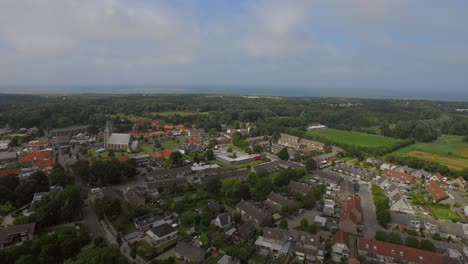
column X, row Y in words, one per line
column 416, row 46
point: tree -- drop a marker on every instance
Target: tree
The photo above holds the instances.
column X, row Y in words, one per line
column 304, row 224
column 209, row 155
column 310, row 164
column 381, row 236
column 99, row 255
column 283, row 154
column 283, row 224
column 394, row 238
column 427, row 245
column 213, row 185
column 412, row 242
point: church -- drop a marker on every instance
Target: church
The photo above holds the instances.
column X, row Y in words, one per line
column 120, row 141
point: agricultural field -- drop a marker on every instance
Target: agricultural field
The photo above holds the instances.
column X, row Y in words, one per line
column 351, row 138
column 447, row 150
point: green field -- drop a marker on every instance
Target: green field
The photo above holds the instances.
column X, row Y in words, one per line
column 145, row 149
column 445, row 145
column 353, row 138
column 444, row 213
column 447, row 150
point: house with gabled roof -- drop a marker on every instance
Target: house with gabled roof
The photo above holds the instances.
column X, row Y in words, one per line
column 393, row 253
column 245, row 231
column 340, row 246
column 299, row 187
column 438, row 193
column 400, row 176
column 189, row 253
column 277, row 201
column 251, row 212
column 275, row 241
column 351, row 216
column 307, row 247
column 459, row 183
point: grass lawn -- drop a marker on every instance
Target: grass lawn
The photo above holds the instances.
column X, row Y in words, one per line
column 444, row 213
column 145, row 249
column 171, row 144
column 240, row 166
column 145, row 149
column 132, row 118
column 351, row 138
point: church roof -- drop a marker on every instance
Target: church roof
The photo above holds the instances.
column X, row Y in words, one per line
column 119, row 139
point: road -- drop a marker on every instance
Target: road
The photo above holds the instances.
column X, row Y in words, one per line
column 370, row 224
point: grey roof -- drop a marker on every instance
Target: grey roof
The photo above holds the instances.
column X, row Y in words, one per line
column 254, row 212
column 225, row 219
column 119, row 139
column 149, row 218
column 192, row 253
column 226, row 259
column 132, row 235
column 246, row 230
column 8, row 155
column 163, row 230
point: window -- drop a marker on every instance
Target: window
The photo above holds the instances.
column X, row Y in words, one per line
column 401, row 253
column 375, row 247
column 367, row 245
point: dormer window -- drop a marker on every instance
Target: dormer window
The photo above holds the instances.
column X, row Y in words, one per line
column 367, row 245
column 401, row 253
column 375, row 247
column 393, row 251
column 421, row 258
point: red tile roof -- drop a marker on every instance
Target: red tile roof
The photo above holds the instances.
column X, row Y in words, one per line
column 39, row 143
column 436, row 191
column 148, row 134
column 439, row 176
column 44, row 163
column 398, row 252
column 461, row 180
column 161, row 154
column 9, row 172
column 168, row 127
column 155, row 123
column 123, row 158
column 340, row 237
column 36, row 156
column 349, row 207
column 399, row 175
column 353, row 261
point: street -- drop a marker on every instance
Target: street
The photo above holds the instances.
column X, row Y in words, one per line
column 370, row 224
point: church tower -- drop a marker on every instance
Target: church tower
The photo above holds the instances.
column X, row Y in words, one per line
column 107, row 133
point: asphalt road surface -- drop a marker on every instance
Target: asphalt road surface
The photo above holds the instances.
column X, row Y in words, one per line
column 370, row 224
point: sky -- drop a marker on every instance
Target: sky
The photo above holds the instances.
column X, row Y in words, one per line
column 359, row 48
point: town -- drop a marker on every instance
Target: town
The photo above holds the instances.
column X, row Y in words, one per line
column 154, row 191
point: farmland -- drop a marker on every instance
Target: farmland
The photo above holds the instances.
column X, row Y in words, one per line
column 447, row 150
column 351, row 138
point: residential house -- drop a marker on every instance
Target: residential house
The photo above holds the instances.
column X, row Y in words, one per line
column 72, row 130
column 226, row 259
column 404, row 169
column 164, row 185
column 289, row 141
column 459, row 183
column 328, row 207
column 399, row 203
column 254, row 140
column 437, row 177
column 245, row 231
column 351, row 215
column 274, row 241
column 8, row 156
column 400, row 176
column 10, row 172
column 438, row 193
column 188, row 253
column 394, row 253
column 353, row 261
column 320, row 221
column 223, row 221
column 15, row 234
column 278, row 202
column 162, row 233
column 299, row 187
column 5, row 144
column 421, row 174
column 35, row 156
column 159, row 217
column 340, row 246
column 251, row 212
column 136, row 196
column 307, row 246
